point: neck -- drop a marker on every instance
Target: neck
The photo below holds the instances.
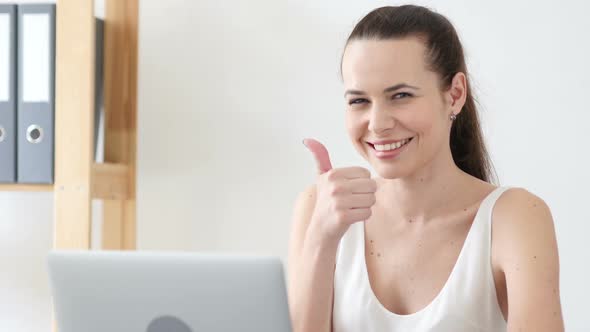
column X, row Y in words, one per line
column 426, row 193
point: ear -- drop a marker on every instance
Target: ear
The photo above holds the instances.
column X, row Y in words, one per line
column 457, row 93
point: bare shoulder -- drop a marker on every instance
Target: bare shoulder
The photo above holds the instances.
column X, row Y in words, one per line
column 521, row 211
column 522, row 219
column 527, row 254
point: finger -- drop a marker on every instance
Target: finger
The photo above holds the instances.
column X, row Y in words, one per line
column 353, row 172
column 356, row 201
column 362, row 186
column 320, row 154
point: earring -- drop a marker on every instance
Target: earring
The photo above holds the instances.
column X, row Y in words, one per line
column 453, row 116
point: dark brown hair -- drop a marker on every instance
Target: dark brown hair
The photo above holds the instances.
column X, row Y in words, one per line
column 444, row 56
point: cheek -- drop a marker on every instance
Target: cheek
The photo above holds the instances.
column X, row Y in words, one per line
column 426, row 120
column 353, row 125
column 431, row 130
column 417, row 120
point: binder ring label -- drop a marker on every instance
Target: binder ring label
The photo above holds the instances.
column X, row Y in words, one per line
column 34, row 134
column 2, row 134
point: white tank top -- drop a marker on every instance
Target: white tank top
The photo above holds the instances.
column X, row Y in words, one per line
column 467, row 301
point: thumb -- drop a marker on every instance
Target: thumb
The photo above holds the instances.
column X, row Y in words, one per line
column 320, row 154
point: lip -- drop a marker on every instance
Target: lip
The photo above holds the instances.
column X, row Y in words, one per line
column 389, row 154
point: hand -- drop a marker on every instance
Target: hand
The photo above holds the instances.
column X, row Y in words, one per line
column 343, row 195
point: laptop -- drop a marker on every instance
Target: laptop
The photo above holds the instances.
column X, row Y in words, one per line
column 143, row 291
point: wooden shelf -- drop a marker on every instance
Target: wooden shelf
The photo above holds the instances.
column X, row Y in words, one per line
column 110, row 181
column 26, row 187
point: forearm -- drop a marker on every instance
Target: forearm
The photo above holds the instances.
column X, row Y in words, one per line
column 312, row 298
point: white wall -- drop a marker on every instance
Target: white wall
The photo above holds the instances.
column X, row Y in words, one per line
column 227, row 90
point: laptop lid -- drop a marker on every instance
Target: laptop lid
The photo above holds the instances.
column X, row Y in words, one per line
column 144, row 291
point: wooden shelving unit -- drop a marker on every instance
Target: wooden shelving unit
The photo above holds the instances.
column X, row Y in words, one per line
column 78, row 179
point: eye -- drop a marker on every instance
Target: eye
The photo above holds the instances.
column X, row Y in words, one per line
column 397, row 96
column 356, row 101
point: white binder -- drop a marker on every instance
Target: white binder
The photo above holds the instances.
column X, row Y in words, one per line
column 36, row 93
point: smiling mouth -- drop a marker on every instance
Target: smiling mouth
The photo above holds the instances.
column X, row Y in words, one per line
column 390, row 147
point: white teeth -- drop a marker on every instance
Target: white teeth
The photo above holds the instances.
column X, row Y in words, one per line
column 393, row 146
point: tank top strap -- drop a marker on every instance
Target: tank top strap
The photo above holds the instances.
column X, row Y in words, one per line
column 478, row 242
column 473, row 269
column 486, row 214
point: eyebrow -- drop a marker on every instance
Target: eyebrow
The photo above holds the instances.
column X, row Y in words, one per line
column 390, row 89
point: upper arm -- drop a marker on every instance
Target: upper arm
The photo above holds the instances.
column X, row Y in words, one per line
column 528, row 256
column 302, row 212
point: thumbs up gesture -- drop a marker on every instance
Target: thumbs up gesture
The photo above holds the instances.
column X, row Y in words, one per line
column 344, row 195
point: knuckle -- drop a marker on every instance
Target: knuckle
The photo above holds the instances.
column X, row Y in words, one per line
column 333, row 191
column 332, row 175
column 338, row 205
column 336, row 189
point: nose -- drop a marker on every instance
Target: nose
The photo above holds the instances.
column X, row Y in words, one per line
column 380, row 120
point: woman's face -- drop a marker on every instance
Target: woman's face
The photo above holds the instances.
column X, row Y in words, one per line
column 391, row 97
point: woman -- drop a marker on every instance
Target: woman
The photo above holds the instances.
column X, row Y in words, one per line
column 414, row 249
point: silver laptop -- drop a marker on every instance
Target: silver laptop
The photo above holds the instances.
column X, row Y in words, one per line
column 141, row 291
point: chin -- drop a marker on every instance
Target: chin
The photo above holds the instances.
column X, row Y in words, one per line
column 389, row 173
